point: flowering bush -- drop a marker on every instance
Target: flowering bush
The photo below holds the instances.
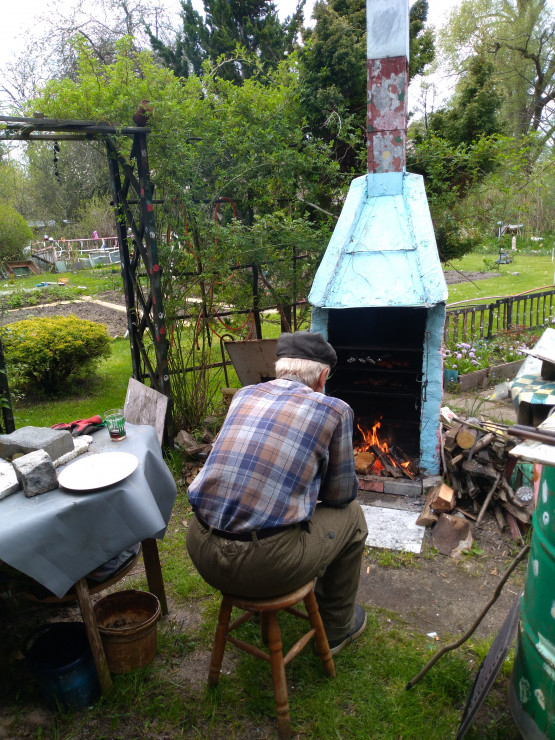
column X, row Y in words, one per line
column 465, row 358
column 507, row 347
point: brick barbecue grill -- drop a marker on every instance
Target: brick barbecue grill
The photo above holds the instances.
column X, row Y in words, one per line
column 379, row 293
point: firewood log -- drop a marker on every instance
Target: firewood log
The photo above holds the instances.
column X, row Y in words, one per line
column 466, row 437
column 427, row 517
column 451, row 437
column 520, row 514
column 499, row 517
column 476, row 468
column 480, row 444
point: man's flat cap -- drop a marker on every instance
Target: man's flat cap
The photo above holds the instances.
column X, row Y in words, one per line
column 305, row 345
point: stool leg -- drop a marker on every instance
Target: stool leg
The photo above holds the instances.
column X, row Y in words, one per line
column 321, row 640
column 264, row 627
column 278, row 674
column 219, row 642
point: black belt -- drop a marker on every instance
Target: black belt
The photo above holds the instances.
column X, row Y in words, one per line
column 259, row 534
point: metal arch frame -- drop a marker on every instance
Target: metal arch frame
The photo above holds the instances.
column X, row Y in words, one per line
column 145, row 311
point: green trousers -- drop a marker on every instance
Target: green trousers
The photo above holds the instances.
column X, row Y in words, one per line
column 329, row 548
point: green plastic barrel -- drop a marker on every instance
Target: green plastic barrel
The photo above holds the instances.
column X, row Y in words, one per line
column 532, row 688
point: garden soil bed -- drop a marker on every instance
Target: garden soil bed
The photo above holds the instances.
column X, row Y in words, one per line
column 112, row 316
column 452, row 276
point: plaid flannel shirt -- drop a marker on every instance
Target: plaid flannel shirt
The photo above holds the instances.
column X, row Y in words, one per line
column 281, row 448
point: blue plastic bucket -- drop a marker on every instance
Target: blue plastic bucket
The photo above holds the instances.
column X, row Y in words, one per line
column 60, row 658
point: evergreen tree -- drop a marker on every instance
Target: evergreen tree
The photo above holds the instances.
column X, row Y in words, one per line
column 474, row 109
column 253, row 25
column 422, row 47
column 334, row 73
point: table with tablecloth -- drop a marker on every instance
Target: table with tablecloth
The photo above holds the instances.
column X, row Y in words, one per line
column 60, row 536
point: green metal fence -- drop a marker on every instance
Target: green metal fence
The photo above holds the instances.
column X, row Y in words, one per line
column 484, row 321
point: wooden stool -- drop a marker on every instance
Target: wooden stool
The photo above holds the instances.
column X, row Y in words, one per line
column 271, row 634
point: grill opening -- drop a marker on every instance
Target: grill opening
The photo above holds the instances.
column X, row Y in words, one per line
column 379, row 370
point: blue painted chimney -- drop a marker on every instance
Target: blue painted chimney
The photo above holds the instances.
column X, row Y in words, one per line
column 379, row 293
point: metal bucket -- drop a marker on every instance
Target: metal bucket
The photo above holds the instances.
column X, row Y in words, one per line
column 59, row 656
column 127, row 624
column 532, row 688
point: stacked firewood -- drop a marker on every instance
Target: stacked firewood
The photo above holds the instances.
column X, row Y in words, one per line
column 476, row 468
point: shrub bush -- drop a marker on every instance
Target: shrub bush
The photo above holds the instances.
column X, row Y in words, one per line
column 45, row 353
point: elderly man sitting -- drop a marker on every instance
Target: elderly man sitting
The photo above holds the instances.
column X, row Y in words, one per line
column 275, row 504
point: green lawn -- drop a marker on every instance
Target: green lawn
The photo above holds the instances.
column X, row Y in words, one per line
column 92, row 281
column 525, row 273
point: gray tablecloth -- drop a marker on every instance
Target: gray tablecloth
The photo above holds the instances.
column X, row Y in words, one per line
column 60, row 536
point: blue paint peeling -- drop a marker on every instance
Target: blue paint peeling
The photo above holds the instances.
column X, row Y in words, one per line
column 383, row 254
column 432, row 393
column 383, row 250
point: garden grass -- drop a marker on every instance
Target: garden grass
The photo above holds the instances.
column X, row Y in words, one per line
column 366, row 700
column 535, row 272
column 93, row 281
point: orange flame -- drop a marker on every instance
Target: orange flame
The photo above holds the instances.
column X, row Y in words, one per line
column 371, row 439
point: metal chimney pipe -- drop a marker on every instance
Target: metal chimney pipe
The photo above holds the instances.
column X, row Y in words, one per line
column 387, row 58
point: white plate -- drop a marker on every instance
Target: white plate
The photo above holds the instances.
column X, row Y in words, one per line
column 97, row 471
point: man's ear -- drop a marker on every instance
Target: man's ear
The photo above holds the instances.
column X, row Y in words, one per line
column 322, row 380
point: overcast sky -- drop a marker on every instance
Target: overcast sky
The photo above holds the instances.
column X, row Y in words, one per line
column 18, row 20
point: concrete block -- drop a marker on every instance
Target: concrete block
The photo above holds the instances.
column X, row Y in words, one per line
column 403, row 487
column 56, row 442
column 36, row 473
column 8, row 479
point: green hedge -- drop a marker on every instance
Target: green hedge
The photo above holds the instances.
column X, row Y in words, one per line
column 45, row 353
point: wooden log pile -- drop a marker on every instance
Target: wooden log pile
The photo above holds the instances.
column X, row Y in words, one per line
column 476, row 468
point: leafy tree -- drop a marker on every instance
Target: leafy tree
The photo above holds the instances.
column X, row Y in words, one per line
column 12, row 180
column 217, row 150
column 14, row 232
column 519, row 38
column 95, row 214
column 473, row 110
column 422, row 44
column 60, row 179
column 334, row 74
column 471, row 186
column 252, row 25
column 49, row 51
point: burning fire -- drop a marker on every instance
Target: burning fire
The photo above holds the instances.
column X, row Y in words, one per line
column 372, row 443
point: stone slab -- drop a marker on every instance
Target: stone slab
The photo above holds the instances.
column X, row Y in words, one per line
column 56, row 442
column 451, row 535
column 8, row 479
column 393, row 529
column 36, row 473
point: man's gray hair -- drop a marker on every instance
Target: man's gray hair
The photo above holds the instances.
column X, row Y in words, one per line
column 308, row 371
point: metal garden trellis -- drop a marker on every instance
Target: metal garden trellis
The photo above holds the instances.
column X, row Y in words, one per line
column 132, row 195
